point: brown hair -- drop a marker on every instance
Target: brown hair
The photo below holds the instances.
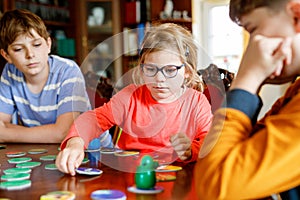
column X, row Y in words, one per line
column 14, row 23
column 175, row 38
column 239, row 8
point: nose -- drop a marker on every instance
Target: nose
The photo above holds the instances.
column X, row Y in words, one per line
column 160, row 76
column 29, row 53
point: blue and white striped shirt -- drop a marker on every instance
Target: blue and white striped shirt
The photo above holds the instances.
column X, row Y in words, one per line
column 64, row 92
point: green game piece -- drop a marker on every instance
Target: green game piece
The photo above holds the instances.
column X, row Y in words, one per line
column 19, row 160
column 15, row 177
column 15, row 185
column 48, row 157
column 37, row 151
column 85, row 160
column 15, row 154
column 17, row 170
column 28, row 164
column 51, row 167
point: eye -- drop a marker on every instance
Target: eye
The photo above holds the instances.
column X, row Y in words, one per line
column 170, row 69
column 17, row 49
column 149, row 68
column 37, row 44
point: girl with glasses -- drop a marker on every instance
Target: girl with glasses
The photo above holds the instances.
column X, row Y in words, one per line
column 163, row 113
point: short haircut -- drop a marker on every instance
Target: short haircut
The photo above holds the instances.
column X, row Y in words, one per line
column 239, row 8
column 16, row 22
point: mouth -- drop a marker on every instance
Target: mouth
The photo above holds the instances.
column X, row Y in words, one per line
column 32, row 64
column 160, row 88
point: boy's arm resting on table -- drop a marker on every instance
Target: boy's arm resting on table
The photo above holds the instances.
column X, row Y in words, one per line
column 50, row 133
column 233, row 165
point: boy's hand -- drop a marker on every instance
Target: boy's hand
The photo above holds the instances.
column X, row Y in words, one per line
column 71, row 157
column 264, row 58
column 182, row 145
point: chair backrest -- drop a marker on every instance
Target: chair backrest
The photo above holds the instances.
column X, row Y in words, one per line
column 217, row 82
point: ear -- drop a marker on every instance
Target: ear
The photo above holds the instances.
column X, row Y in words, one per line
column 5, row 56
column 294, row 8
column 49, row 43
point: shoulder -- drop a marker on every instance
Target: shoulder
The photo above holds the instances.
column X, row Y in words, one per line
column 130, row 89
column 63, row 66
column 58, row 63
column 11, row 73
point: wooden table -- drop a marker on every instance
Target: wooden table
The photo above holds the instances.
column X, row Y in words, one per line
column 44, row 181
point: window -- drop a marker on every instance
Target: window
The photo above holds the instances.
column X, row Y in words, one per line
column 222, row 39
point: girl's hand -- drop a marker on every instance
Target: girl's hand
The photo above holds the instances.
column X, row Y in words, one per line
column 71, row 157
column 182, row 145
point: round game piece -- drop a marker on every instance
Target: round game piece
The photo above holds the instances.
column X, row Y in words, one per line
column 155, row 190
column 37, row 151
column 17, row 170
column 15, row 185
column 107, row 150
column 108, row 195
column 15, row 177
column 48, row 157
column 28, row 164
column 88, row 171
column 13, row 154
column 165, row 177
column 51, row 167
column 127, row 153
column 168, row 168
column 58, row 195
column 19, row 160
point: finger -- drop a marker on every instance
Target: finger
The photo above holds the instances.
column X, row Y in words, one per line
column 73, row 163
column 60, row 162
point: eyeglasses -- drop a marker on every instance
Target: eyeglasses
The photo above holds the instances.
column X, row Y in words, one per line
column 169, row 71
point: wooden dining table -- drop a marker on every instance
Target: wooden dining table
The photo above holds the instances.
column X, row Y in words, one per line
column 44, row 181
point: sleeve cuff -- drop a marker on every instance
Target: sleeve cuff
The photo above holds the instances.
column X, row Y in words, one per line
column 245, row 102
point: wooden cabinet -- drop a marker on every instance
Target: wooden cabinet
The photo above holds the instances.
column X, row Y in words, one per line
column 179, row 8
column 99, row 46
column 58, row 16
column 151, row 12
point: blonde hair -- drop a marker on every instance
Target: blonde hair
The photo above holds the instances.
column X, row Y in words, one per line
column 175, row 38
